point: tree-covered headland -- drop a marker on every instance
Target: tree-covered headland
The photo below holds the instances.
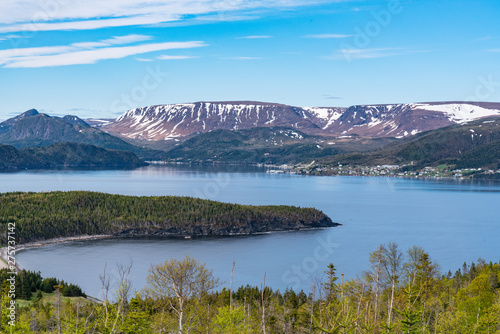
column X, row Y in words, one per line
column 41, row 216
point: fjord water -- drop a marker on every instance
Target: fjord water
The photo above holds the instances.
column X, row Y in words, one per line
column 455, row 221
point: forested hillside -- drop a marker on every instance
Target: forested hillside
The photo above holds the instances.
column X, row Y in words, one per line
column 39, row 216
column 471, row 145
column 271, row 145
column 64, row 155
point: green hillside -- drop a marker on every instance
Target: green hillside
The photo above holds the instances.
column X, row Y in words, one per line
column 475, row 144
column 274, row 145
column 65, row 155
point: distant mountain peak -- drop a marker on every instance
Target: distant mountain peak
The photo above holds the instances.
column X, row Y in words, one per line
column 74, row 120
column 27, row 113
column 11, row 121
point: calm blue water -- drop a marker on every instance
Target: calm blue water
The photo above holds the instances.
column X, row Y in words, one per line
column 455, row 221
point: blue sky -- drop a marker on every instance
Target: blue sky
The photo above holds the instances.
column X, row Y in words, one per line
column 99, row 58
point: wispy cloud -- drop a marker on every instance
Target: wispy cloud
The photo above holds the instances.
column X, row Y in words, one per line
column 326, row 36
column 494, row 50
column 127, row 39
column 242, row 58
column 167, row 57
column 86, row 52
column 10, row 54
column 350, row 54
column 331, row 97
column 143, row 59
column 255, row 37
column 484, row 38
column 115, row 40
column 8, row 37
column 36, row 15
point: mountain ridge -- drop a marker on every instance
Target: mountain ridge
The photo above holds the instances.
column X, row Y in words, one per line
column 175, row 121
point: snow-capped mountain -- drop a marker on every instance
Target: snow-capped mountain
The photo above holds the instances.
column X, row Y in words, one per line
column 179, row 120
column 391, row 120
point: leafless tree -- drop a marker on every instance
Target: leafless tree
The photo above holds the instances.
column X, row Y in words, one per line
column 392, row 262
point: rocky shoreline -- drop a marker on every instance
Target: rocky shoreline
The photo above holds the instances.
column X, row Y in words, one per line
column 248, row 228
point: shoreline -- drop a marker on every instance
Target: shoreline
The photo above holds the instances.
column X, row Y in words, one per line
column 37, row 244
column 43, row 243
column 291, row 170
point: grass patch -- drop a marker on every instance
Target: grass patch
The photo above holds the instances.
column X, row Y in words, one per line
column 442, row 167
column 51, row 298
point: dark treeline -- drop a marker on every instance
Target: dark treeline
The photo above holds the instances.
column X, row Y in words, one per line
column 66, row 155
column 28, row 282
column 39, row 216
column 401, row 293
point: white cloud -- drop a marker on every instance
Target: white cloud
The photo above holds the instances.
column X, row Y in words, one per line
column 14, row 55
column 350, row 54
column 325, row 36
column 10, row 54
column 255, row 37
column 48, row 15
column 7, row 54
column 89, row 45
column 115, row 40
column 128, row 39
column 242, row 58
column 78, row 53
column 7, row 37
column 166, row 57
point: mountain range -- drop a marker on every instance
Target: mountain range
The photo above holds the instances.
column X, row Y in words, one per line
column 255, row 132
column 177, row 121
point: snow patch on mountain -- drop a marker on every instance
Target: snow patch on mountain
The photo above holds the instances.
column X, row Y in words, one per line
column 459, row 113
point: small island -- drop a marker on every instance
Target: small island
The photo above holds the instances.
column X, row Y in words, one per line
column 50, row 215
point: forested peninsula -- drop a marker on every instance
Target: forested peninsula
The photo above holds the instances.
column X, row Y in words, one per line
column 42, row 216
